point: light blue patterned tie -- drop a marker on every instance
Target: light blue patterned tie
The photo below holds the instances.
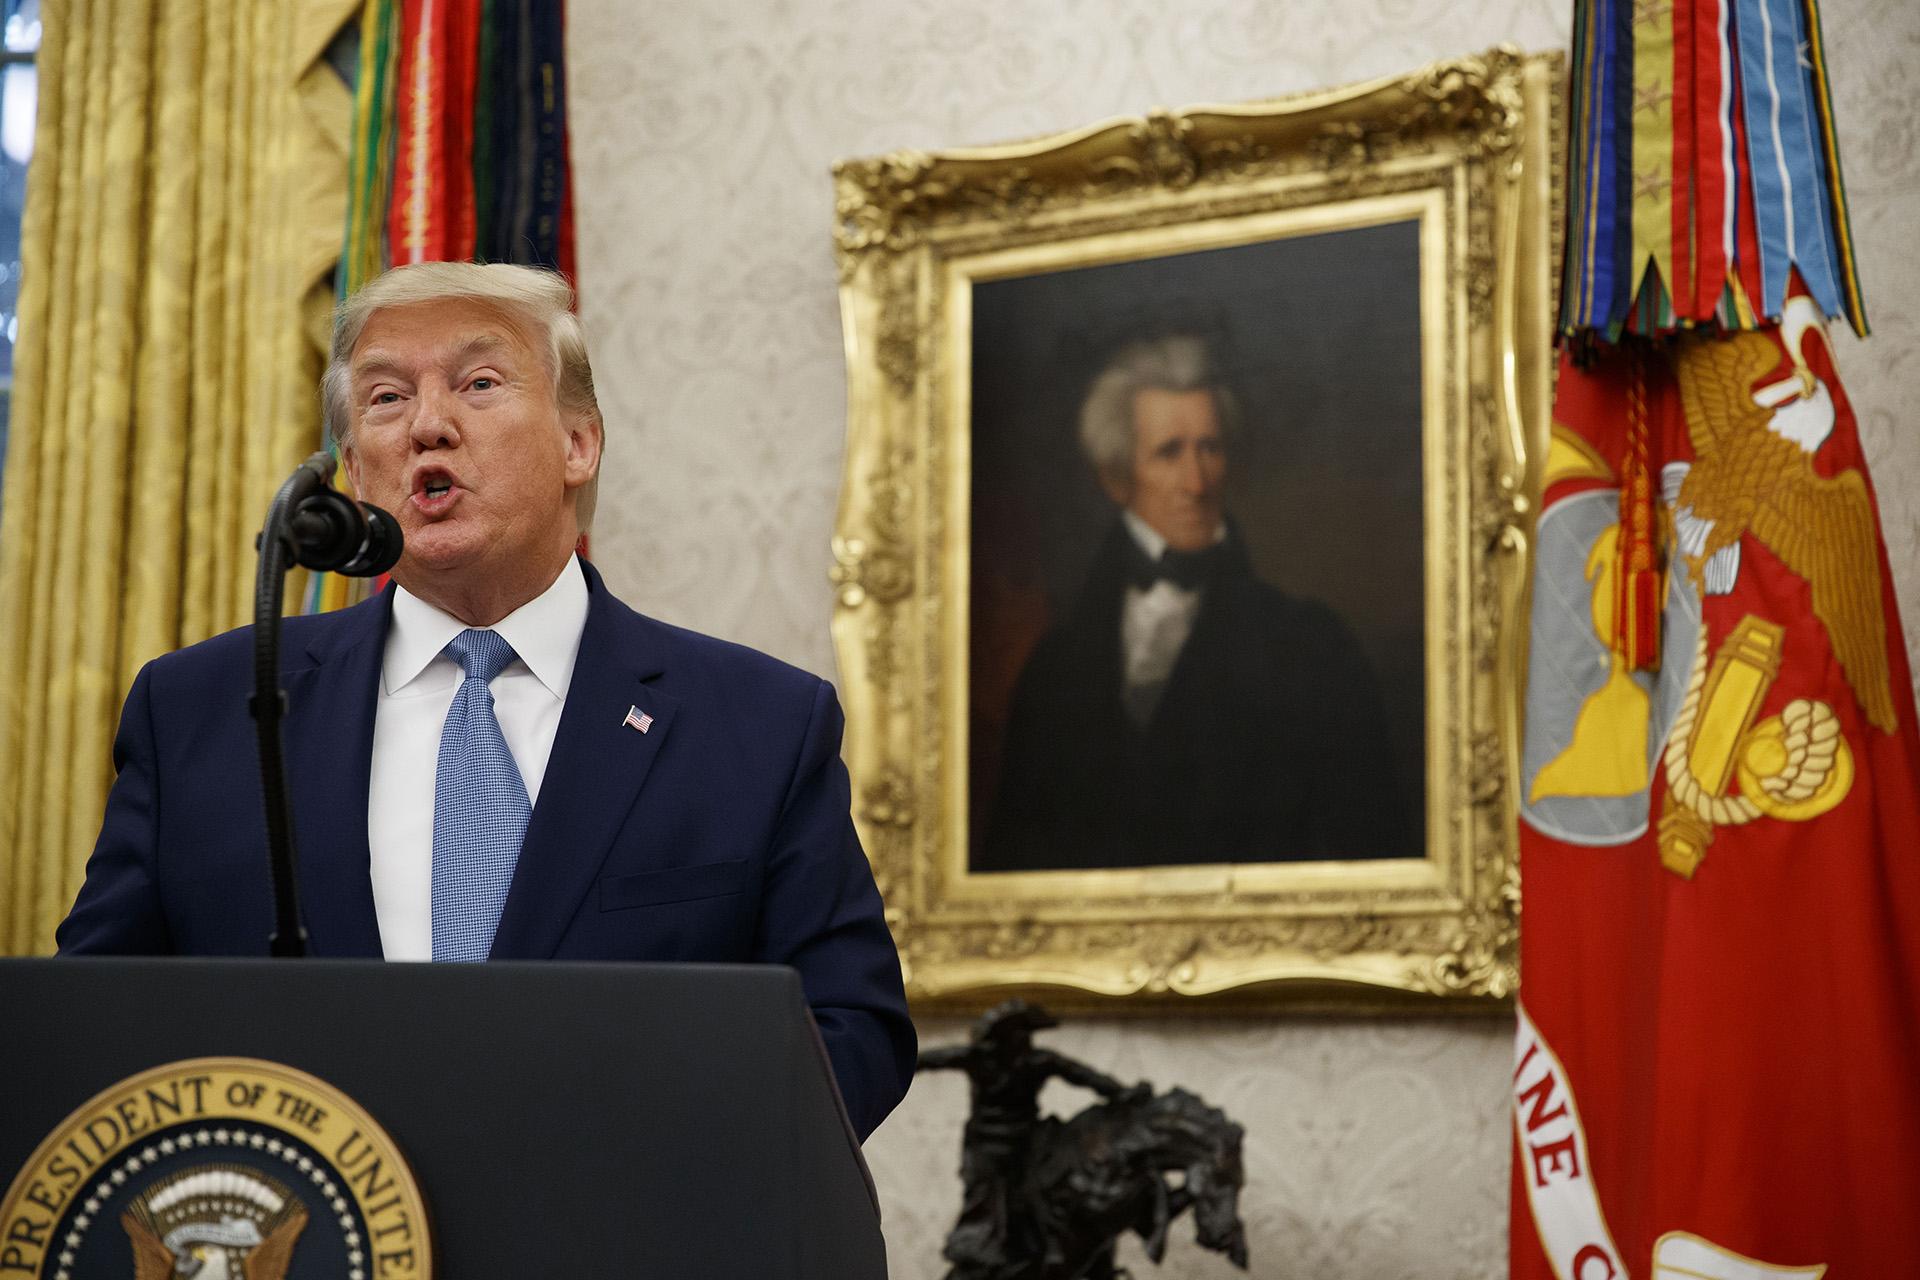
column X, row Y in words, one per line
column 480, row 807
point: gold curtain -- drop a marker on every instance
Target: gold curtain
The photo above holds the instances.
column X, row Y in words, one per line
column 184, row 213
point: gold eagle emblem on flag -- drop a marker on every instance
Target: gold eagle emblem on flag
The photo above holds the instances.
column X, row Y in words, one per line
column 1754, row 475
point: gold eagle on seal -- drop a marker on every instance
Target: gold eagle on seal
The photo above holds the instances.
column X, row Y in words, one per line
column 214, row 1222
column 1751, row 476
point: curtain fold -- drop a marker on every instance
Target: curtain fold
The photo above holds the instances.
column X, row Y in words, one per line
column 182, row 224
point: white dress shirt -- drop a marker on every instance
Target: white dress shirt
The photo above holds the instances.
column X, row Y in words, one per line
column 417, row 684
column 1154, row 625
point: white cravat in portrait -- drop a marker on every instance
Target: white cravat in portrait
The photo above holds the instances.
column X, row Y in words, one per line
column 1155, row 622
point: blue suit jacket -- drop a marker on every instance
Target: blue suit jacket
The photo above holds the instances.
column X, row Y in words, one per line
column 721, row 835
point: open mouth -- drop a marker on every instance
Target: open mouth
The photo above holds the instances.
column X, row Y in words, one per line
column 434, row 491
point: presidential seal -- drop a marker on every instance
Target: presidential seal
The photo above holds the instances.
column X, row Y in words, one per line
column 216, row 1169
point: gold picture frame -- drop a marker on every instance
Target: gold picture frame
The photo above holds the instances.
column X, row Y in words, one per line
column 1465, row 155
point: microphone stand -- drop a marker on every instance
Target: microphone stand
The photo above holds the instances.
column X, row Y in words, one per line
column 309, row 524
column 269, row 702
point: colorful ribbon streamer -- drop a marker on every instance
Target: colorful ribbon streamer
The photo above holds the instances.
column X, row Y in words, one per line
column 1705, row 171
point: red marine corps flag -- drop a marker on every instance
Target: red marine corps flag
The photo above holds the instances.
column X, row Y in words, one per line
column 1717, row 1065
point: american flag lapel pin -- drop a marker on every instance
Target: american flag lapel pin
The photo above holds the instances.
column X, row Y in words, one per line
column 638, row 719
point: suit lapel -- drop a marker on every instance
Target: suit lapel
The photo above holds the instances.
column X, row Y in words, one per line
column 328, row 732
column 596, row 770
column 1096, row 622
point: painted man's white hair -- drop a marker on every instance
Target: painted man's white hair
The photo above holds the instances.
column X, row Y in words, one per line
column 1177, row 362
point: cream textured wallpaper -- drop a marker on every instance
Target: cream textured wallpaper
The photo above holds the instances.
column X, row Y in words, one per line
column 703, row 136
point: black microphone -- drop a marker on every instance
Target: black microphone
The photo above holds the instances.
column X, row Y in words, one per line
column 330, row 531
column 311, row 524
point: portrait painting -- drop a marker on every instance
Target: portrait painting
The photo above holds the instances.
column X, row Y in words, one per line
column 1182, row 554
column 1197, row 573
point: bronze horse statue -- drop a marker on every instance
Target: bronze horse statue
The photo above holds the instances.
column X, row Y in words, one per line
column 1106, row 1171
column 1046, row 1199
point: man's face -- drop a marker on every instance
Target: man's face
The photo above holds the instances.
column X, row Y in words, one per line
column 457, row 433
column 1179, row 463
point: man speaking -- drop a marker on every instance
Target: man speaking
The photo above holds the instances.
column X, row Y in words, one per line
column 497, row 758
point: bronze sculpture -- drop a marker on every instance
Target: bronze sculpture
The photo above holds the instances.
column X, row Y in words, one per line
column 1045, row 1199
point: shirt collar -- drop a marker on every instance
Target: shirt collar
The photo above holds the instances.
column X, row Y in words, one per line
column 544, row 633
column 1148, row 537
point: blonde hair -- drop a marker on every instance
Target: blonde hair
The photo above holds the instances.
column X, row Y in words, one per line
column 537, row 298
